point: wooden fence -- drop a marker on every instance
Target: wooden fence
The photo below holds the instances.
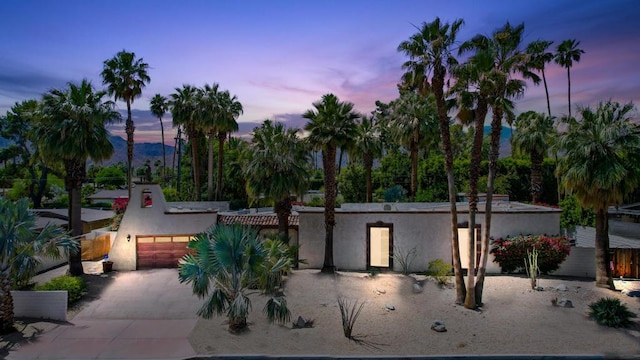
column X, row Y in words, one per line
column 626, row 263
column 95, row 249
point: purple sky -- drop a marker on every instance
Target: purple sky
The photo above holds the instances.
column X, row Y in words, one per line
column 279, row 57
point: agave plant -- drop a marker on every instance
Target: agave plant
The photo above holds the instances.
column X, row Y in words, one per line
column 610, row 312
column 226, row 261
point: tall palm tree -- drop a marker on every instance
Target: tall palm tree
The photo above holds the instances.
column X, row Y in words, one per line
column 367, row 144
column 414, row 124
column 185, row 110
column 539, row 57
column 277, row 168
column 600, row 166
column 22, row 249
column 566, row 53
column 230, row 110
column 159, row 107
column 72, row 131
column 534, row 134
column 224, row 263
column 125, row 77
column 501, row 87
column 331, row 125
column 430, row 55
column 210, row 107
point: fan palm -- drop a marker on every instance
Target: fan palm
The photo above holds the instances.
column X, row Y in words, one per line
column 185, row 111
column 367, row 144
column 125, row 77
column 566, row 53
column 539, row 57
column 225, row 261
column 22, row 249
column 159, row 107
column 230, row 110
column 73, row 130
column 331, row 125
column 276, row 168
column 211, row 112
column 430, row 55
column 534, row 134
column 600, row 166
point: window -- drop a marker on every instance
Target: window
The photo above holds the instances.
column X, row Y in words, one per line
column 146, row 198
column 380, row 245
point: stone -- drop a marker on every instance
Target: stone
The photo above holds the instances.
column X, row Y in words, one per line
column 417, row 289
column 564, row 302
column 389, row 307
column 438, row 326
column 561, row 287
column 300, row 323
column 380, row 291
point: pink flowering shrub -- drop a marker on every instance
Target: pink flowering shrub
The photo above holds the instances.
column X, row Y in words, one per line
column 120, row 205
column 511, row 251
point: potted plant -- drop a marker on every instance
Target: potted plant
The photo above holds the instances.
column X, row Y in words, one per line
column 107, row 265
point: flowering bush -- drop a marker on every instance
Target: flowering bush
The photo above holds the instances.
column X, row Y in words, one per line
column 120, row 205
column 511, row 252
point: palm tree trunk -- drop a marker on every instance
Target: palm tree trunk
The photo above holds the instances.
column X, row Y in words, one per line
column 164, row 154
column 536, row 177
column 414, row 168
column 129, row 130
column 443, row 120
column 283, row 210
column 75, row 222
column 368, row 164
column 496, row 127
column 339, row 168
column 569, row 91
column 210, row 169
column 6, row 304
column 221, row 137
column 603, row 271
column 329, row 163
column 546, row 91
column 195, row 166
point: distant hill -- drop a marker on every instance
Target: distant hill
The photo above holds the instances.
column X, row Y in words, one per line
column 141, row 152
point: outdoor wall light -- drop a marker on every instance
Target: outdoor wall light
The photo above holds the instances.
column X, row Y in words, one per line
column 128, row 237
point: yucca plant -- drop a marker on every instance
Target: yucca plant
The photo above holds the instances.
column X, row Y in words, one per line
column 610, row 312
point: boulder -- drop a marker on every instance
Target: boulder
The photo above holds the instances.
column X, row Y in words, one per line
column 438, row 326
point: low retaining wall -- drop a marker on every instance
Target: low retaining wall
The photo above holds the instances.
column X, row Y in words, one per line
column 50, row 305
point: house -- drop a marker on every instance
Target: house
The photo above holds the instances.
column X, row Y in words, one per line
column 108, row 196
column 155, row 233
column 266, row 223
column 92, row 219
column 373, row 235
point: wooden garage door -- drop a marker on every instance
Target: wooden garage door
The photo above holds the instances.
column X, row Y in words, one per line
column 160, row 251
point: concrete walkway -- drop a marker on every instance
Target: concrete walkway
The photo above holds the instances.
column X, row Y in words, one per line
column 141, row 315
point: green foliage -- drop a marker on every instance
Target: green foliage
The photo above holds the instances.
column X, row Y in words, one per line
column 87, row 190
column 440, row 271
column 277, row 311
column 316, row 201
column 352, row 183
column 574, row 214
column 317, row 180
column 395, row 193
column 111, row 177
column 610, row 312
column 511, row 253
column 170, row 194
column 394, row 169
column 74, row 285
column 531, row 266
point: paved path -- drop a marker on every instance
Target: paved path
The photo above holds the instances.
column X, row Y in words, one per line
column 142, row 315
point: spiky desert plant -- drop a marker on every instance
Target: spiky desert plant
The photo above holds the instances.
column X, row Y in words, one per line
column 610, row 312
column 404, row 258
column 531, row 266
column 349, row 311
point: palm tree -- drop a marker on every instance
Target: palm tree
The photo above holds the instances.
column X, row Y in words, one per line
column 502, row 48
column 600, row 166
column 230, row 110
column 185, row 111
column 159, row 107
column 430, row 55
column 225, row 261
column 539, row 57
column 534, row 134
column 73, row 130
column 566, row 53
column 211, row 112
column 331, row 125
column 125, row 77
column 277, row 168
column 22, row 249
column 367, row 144
column 414, row 123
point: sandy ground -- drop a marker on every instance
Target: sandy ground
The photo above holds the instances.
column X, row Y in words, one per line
column 514, row 320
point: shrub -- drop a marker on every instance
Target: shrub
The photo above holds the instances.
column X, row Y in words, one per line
column 74, row 285
column 511, row 252
column 610, row 312
column 395, row 193
column 440, row 271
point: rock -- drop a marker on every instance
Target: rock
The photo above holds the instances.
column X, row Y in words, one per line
column 438, row 326
column 299, row 323
column 389, row 307
column 564, row 302
column 561, row 287
column 417, row 289
column 379, row 291
column 631, row 292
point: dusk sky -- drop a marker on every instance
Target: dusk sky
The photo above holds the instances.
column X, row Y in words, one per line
column 279, row 57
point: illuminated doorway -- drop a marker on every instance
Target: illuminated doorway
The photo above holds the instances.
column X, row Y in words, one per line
column 380, row 246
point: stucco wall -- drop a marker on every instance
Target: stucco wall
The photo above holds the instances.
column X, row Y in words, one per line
column 580, row 262
column 427, row 231
column 155, row 220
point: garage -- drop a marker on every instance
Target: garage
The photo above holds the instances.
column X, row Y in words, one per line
column 162, row 251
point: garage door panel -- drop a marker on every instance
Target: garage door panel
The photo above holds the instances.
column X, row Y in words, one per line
column 163, row 254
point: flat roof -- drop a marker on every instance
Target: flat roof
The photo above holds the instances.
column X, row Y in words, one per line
column 463, row 207
column 86, row 214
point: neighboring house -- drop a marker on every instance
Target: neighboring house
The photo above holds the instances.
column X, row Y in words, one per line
column 371, row 235
column 265, row 223
column 626, row 213
column 92, row 219
column 108, row 196
column 155, row 233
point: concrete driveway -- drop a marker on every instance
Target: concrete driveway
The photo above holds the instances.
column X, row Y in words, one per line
column 140, row 315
